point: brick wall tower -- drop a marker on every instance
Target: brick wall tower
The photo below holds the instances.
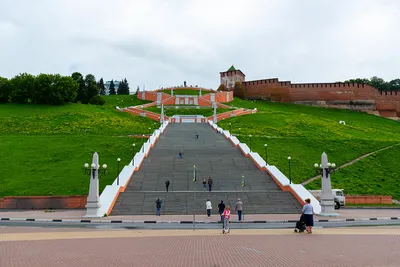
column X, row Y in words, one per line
column 229, row 77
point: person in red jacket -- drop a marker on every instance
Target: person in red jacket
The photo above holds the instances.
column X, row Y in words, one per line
column 226, row 215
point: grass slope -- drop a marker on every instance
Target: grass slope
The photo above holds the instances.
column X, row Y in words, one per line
column 206, row 112
column 304, row 132
column 43, row 148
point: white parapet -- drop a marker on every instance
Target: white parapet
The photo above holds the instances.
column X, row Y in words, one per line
column 244, row 148
column 234, row 140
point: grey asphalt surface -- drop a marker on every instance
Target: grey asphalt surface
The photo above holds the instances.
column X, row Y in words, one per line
column 124, row 226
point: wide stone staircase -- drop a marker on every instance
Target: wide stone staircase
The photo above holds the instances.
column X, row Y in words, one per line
column 214, row 157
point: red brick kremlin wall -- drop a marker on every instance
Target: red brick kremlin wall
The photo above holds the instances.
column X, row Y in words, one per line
column 341, row 95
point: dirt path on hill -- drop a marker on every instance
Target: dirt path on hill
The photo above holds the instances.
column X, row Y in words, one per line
column 349, row 163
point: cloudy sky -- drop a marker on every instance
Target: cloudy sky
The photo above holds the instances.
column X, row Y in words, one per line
column 164, row 42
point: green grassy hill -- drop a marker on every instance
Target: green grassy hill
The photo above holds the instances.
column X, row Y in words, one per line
column 43, row 148
column 304, row 132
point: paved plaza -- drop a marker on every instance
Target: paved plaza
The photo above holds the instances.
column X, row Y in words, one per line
column 325, row 247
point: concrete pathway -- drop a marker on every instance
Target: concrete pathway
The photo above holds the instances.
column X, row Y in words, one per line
column 186, row 248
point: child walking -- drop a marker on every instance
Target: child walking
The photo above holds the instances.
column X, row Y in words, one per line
column 226, row 216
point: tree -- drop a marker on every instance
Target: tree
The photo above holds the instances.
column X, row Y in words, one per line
column 395, row 84
column 112, row 88
column 379, row 83
column 101, row 86
column 23, row 88
column 78, row 77
column 64, row 89
column 43, row 88
column 91, row 88
column 123, row 88
column 5, row 90
column 358, row 80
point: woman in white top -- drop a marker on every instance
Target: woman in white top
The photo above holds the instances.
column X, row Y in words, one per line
column 308, row 212
column 208, row 207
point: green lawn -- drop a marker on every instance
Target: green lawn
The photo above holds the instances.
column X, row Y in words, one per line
column 43, row 148
column 304, row 132
column 187, row 111
column 123, row 101
column 185, row 91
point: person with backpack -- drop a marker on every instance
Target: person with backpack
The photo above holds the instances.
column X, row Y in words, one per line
column 158, row 206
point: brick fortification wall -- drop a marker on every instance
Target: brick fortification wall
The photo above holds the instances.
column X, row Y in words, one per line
column 338, row 95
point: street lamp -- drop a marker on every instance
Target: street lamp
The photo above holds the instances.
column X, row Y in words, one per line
column 149, row 130
column 93, row 168
column 266, row 155
column 250, row 142
column 118, row 160
column 230, row 128
column 239, row 131
column 194, row 196
column 319, row 170
column 290, row 171
column 143, row 142
column 133, row 154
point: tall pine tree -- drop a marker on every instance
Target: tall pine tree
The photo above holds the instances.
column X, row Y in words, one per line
column 101, row 86
column 112, row 88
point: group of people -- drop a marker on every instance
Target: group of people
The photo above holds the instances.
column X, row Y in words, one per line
column 205, row 182
column 222, row 208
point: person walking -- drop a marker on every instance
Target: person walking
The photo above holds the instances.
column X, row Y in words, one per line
column 180, row 154
column 197, row 135
column 308, row 212
column 239, row 209
column 210, row 182
column 226, row 216
column 221, row 208
column 166, row 185
column 158, row 207
column 208, row 207
column 204, row 184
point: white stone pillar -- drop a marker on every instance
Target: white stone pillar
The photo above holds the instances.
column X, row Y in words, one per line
column 162, row 114
column 93, row 200
column 215, row 112
column 327, row 201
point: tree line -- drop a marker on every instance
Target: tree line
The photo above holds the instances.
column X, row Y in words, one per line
column 55, row 89
column 378, row 83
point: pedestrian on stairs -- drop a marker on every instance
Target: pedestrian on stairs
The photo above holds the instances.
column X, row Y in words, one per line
column 197, row 135
column 180, row 154
column 208, row 207
column 210, row 182
column 204, row 184
column 158, row 206
column 239, row 209
column 167, row 185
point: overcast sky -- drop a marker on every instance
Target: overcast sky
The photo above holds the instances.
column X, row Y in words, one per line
column 164, row 42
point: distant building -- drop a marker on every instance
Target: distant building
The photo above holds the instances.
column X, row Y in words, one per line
column 107, row 86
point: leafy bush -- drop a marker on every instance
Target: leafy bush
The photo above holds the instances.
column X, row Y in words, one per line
column 97, row 100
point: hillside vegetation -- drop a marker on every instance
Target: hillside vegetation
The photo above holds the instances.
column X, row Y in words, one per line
column 43, row 148
column 304, row 132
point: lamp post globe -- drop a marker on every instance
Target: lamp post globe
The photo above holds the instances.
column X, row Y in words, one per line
column 93, row 165
column 316, row 165
column 329, row 164
column 104, row 166
column 118, row 159
column 333, row 165
column 86, row 165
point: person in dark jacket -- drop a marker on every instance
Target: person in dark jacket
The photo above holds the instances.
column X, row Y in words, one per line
column 221, row 208
column 167, row 185
column 158, row 206
column 210, row 182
